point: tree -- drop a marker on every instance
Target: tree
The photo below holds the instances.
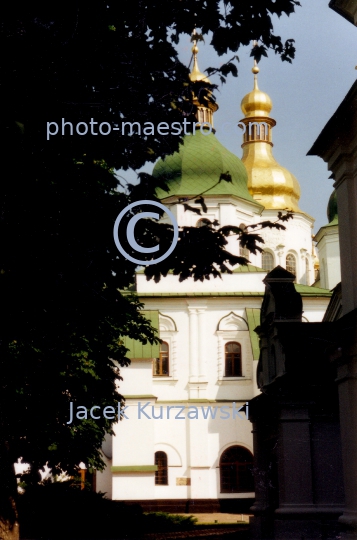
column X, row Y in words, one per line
column 63, row 315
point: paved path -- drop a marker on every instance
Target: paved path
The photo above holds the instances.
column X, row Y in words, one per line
column 220, row 518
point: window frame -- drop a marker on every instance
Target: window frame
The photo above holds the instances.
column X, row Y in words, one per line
column 232, row 360
column 231, row 473
column 243, row 251
column 162, row 473
column 162, row 354
column 272, row 261
column 295, row 263
column 203, row 222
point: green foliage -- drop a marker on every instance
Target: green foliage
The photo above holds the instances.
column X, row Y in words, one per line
column 163, row 522
column 61, row 510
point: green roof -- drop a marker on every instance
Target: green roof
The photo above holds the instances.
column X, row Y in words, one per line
column 138, row 349
column 253, row 316
column 304, row 290
column 307, row 290
column 197, row 167
column 133, row 468
column 241, row 269
column 333, row 223
column 248, row 268
column 192, row 294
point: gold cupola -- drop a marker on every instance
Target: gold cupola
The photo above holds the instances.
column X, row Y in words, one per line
column 204, row 112
column 269, row 183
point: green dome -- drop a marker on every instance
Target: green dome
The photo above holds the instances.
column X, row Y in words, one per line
column 332, row 214
column 198, row 165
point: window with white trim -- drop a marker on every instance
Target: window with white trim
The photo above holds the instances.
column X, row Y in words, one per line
column 161, row 364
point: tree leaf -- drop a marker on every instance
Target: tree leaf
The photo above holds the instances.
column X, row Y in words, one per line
column 201, row 201
column 226, row 177
column 192, row 209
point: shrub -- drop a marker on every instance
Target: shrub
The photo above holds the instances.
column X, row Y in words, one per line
column 60, row 510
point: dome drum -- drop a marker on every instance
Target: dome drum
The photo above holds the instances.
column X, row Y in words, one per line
column 252, row 133
column 268, row 182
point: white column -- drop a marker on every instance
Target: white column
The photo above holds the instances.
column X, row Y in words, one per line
column 303, row 253
column 193, row 343
column 280, row 253
column 201, row 345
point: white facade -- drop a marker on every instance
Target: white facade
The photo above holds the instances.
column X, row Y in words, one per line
column 296, row 240
column 196, row 320
column 329, row 255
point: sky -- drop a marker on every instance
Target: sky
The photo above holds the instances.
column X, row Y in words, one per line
column 305, row 93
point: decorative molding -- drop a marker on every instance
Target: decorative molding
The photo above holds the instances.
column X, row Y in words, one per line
column 232, row 321
column 173, row 456
column 139, row 396
column 133, row 468
column 243, row 338
column 220, row 359
column 168, row 333
column 174, row 356
column 166, row 323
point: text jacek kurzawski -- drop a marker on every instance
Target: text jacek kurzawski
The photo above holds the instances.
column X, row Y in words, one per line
column 147, row 411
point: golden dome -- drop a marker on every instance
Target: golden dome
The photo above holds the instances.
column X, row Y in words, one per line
column 256, row 103
column 207, row 107
column 196, row 74
column 269, row 183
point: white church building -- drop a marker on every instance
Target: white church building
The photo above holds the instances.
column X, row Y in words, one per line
column 186, row 444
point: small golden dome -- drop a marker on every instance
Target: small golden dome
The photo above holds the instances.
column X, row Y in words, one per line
column 196, row 74
column 256, row 103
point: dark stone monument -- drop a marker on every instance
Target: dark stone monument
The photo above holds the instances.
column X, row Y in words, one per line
column 297, row 444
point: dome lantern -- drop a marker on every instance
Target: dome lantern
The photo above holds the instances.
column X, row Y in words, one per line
column 205, row 111
column 269, row 183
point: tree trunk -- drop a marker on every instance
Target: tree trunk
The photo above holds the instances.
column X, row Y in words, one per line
column 8, row 531
column 9, row 527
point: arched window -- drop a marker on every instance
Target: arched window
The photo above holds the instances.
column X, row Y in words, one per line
column 243, row 251
column 203, row 223
column 267, row 261
column 233, row 359
column 161, row 476
column 291, row 263
column 235, row 469
column 161, row 364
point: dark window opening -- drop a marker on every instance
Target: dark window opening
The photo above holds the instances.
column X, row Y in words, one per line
column 161, row 475
column 203, row 223
column 236, row 465
column 233, row 359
